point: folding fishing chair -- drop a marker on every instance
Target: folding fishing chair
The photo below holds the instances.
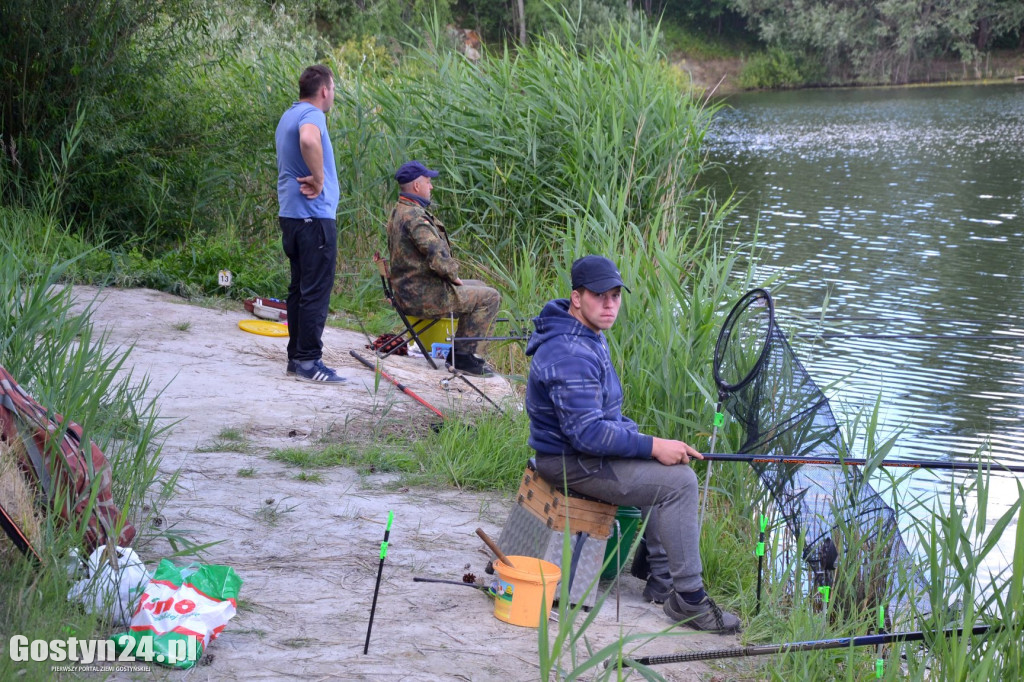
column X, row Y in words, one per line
column 417, row 329
column 414, row 327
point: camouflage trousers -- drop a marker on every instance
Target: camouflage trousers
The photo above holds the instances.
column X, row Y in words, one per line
column 476, row 306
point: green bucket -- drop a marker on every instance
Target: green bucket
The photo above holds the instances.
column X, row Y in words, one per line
column 623, row 535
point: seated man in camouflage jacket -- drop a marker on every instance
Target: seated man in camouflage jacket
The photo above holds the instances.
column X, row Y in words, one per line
column 425, row 275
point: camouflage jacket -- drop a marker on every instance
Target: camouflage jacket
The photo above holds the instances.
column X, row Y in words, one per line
column 422, row 266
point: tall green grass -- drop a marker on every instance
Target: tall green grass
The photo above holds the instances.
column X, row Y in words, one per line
column 519, row 135
column 964, row 589
column 956, row 545
column 55, row 354
column 958, row 542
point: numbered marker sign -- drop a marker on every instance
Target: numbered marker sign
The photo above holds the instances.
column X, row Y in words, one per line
column 224, row 278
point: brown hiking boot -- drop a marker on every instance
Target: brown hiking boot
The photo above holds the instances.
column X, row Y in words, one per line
column 704, row 616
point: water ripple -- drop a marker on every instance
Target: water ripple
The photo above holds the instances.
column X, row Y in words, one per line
column 902, row 209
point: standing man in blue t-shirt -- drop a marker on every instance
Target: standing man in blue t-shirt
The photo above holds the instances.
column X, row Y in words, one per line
column 307, row 191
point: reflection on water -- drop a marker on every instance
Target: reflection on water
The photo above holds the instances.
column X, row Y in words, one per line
column 904, row 210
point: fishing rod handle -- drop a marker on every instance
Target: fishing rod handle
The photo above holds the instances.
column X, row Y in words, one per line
column 494, row 547
column 418, row 579
column 736, row 652
column 813, row 645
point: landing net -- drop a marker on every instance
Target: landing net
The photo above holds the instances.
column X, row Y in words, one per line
column 834, row 509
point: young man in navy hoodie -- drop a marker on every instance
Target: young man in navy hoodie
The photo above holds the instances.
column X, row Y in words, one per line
column 582, row 439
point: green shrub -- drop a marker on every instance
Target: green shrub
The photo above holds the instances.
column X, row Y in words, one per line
column 775, row 68
column 258, row 268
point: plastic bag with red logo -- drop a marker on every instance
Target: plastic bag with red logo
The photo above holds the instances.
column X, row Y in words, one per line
column 179, row 614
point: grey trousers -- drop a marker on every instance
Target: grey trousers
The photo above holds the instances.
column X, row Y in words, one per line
column 667, row 496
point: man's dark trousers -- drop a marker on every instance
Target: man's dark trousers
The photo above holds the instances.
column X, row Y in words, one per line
column 311, row 245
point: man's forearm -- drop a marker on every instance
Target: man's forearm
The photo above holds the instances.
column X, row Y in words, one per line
column 312, row 151
column 313, row 155
column 602, row 438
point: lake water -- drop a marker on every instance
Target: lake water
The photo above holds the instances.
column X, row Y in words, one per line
column 904, row 210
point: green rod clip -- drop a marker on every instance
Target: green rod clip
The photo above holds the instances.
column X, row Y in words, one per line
column 387, row 532
column 824, row 592
column 719, row 419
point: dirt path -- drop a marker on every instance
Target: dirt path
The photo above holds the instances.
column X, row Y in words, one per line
column 309, row 551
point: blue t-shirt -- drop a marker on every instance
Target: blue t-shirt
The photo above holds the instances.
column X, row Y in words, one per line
column 290, row 165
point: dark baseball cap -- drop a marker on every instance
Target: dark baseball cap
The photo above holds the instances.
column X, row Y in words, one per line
column 597, row 274
column 410, row 170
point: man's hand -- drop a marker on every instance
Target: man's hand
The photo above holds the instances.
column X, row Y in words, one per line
column 670, row 452
column 457, row 282
column 310, row 187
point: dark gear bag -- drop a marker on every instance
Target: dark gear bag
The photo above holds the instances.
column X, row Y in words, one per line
column 74, row 476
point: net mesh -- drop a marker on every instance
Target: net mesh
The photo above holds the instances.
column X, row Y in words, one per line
column 834, row 509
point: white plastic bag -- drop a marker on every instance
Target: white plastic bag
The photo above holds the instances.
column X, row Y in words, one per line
column 108, row 591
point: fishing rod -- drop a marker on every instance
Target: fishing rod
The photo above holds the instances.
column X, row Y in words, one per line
column 519, row 333
column 490, row 338
column 910, row 320
column 810, row 645
column 885, row 336
column 855, row 462
column 404, row 389
column 479, row 392
column 418, row 579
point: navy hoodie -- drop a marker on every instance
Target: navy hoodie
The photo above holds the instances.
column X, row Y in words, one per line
column 573, row 395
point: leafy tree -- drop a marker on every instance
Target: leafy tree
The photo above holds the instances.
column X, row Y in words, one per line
column 701, row 13
column 500, row 20
column 342, row 20
column 882, row 39
column 996, row 19
column 59, row 58
column 150, row 118
column 496, row 21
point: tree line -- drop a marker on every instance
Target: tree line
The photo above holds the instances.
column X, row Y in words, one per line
column 836, row 29
column 820, row 42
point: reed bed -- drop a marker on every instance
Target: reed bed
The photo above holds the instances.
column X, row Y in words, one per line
column 52, row 350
